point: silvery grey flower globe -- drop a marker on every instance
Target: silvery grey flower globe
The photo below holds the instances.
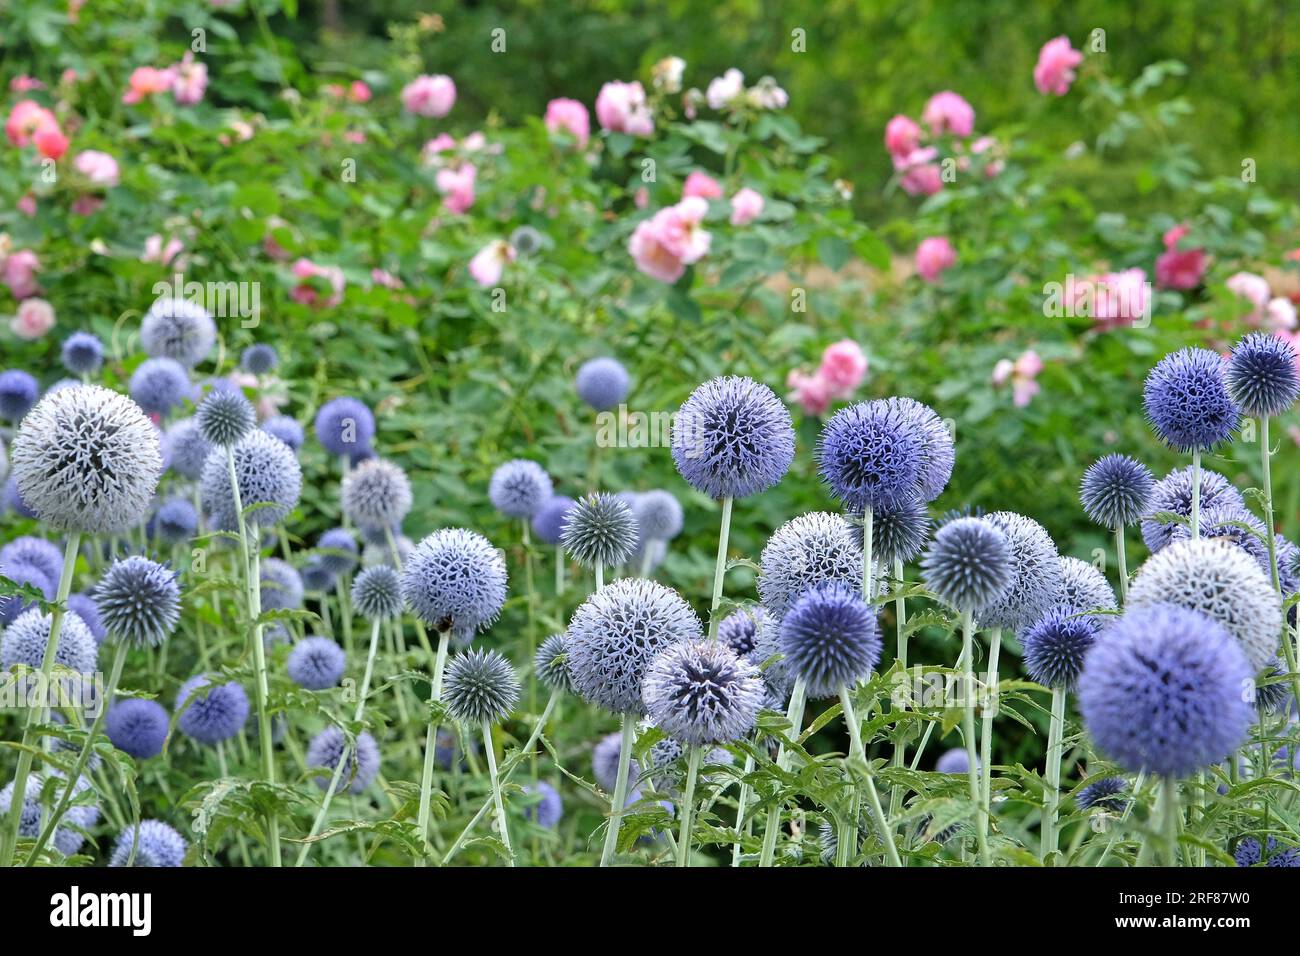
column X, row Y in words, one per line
column 968, row 564
column 377, row 593
column 188, row 450
column 1035, row 574
column 700, row 692
column 600, row 529
column 732, row 438
column 377, row 494
column 804, row 553
column 551, row 666
column 178, row 329
column 24, row 642
column 1084, row 588
column 225, row 416
column 139, row 601
column 481, row 686
column 455, row 580
column 269, row 478
column 87, row 459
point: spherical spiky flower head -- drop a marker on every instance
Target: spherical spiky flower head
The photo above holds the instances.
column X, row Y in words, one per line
column 178, row 329
column 830, row 638
column 1161, row 691
column 1262, row 376
column 269, row 479
column 344, row 425
column 338, row 549
column 519, row 488
column 614, row 635
column 602, row 382
column 187, row 449
column 281, row 585
column 225, row 417
column 18, row 391
column 1249, row 853
column 377, row 494
column 1035, row 574
column 23, row 642
column 1187, row 400
column 659, row 515
column 37, row 552
column 286, row 429
column 955, row 760
column 1272, row 692
column 545, row 807
column 700, row 692
column 480, row 687
column 937, row 450
column 157, row 845
column 968, row 565
column 1220, row 581
column 1173, row 494
column 1103, row 794
column 23, row 573
column 211, row 713
column 137, row 727
column 899, row 530
column 84, row 606
column 805, row 552
column 139, row 601
column 317, row 578
column 159, row 385
column 82, row 353
column 326, row 750
column 1237, row 527
column 733, row 438
column 259, row 359
column 174, row 521
column 377, row 593
column 1055, row 646
column 316, row 663
column 548, row 522
column 604, row 762
column 1084, row 588
column 67, row 839
column 455, row 580
column 739, row 630
column 600, row 529
column 87, row 459
column 1116, row 491
column 551, row 665
column 871, row 454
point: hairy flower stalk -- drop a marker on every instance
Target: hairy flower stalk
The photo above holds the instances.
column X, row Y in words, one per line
column 1055, row 734
column 794, row 715
column 991, row 684
column 619, row 798
column 431, row 741
column 719, row 567
column 968, row 733
column 495, row 780
column 858, row 763
column 261, row 686
column 900, row 624
column 688, row 805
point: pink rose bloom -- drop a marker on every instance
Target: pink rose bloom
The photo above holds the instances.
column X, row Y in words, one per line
column 190, row 80
column 51, row 143
column 26, row 119
column 359, row 92
column 19, row 273
column 1251, row 287
column 457, row 187
column 843, row 367
column 100, row 168
column 34, row 318
column 68, row 76
column 812, row 392
column 442, row 143
column 702, row 185
column 621, row 108
column 25, row 84
column 1054, row 71
column 570, row 116
column 308, row 291
column 1002, row 370
column 921, row 175
column 933, row 256
column 1022, row 374
column 146, row 81
column 431, row 96
column 746, row 206
column 724, row 89
column 1119, row 298
column 947, row 112
column 1179, row 269
column 155, row 251
column 670, row 240
column 490, row 262
column 902, row 136
column 1281, row 314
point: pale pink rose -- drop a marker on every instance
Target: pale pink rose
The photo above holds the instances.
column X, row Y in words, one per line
column 1179, row 269
column 670, row 240
column 641, row 198
column 571, row 117
column 1002, row 370
column 155, row 251
column 1118, row 298
column 26, row 119
column 1023, row 391
column 34, row 318
column 434, row 148
column 147, row 81
column 933, row 256
column 19, row 273
column 621, row 108
column 1021, row 374
column 25, row 84
column 27, row 205
column 766, row 95
column 190, row 80
column 315, row 279
column 1054, row 71
column 490, row 262
column 474, row 142
column 1028, row 365
column 702, row 185
column 87, row 205
column 457, row 187
column 921, row 176
column 100, row 168
column 1253, row 288
column 812, row 392
column 746, row 206
column 843, row 367
column 431, row 96
column 1281, row 314
column 947, row 112
column 902, row 136
column 722, row 90
column 667, row 74
column 359, row 92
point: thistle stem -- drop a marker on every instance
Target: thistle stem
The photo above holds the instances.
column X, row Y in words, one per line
column 600, row 575
column 490, row 750
column 1170, row 818
column 740, row 810
column 1123, row 565
column 431, row 741
column 619, row 797
column 1055, row 734
column 559, row 569
column 688, row 804
column 1196, row 493
column 720, row 567
column 968, row 732
column 991, row 683
column 1266, row 458
column 900, row 628
column 262, row 685
column 794, row 715
column 858, row 760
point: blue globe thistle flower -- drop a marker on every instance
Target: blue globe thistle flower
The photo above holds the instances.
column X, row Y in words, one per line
column 326, row 750
column 281, row 585
column 286, row 429
column 187, row 449
column 87, row 459
column 18, row 393
column 1116, row 491
column 805, row 552
column 337, row 548
column 27, row 549
column 969, row 564
column 666, row 754
column 269, row 479
column 700, row 692
column 1187, row 401
column 551, row 666
column 455, row 579
column 137, row 727
column 602, row 383
column 316, row 663
column 139, row 601
column 13, row 500
column 548, row 522
column 1223, row 583
column 211, row 713
column 739, row 631
column 955, row 760
column 225, row 417
column 600, row 529
column 259, row 359
column 659, row 515
column 157, row 845
column 1055, row 647
column 1262, row 376
column 317, row 578
column 898, row 530
column 1035, row 577
column 1249, row 853
column 11, row 606
column 1274, row 697
column 23, row 642
column 344, row 425
column 938, row 453
column 1162, row 691
column 377, row 593
column 480, row 687
column 1235, row 526
column 377, row 494
column 871, row 454
column 178, row 329
column 546, row 808
column 604, row 762
column 732, row 438
column 84, row 606
column 1103, row 794
column 159, row 385
column 82, row 816
column 830, row 638
column 174, row 521
column 1084, row 588
column 82, row 353
column 519, row 488
column 615, row 634
column 1173, row 493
